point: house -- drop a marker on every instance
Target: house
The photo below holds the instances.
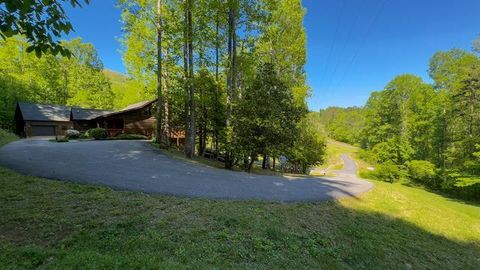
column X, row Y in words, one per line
column 85, row 119
column 54, row 120
column 134, row 119
column 41, row 119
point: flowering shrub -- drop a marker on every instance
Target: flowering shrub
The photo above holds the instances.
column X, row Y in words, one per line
column 72, row 134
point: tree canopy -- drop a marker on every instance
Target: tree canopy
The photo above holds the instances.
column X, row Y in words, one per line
column 413, row 126
column 77, row 81
column 213, row 54
column 41, row 22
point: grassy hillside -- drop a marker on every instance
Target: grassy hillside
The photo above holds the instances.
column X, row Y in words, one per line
column 6, row 137
column 55, row 225
column 126, row 91
column 115, row 77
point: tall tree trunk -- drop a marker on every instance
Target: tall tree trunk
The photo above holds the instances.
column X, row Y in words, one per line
column 65, row 85
column 190, row 141
column 232, row 57
column 230, row 64
column 166, row 116
column 186, row 78
column 159, row 131
column 203, row 111
column 231, row 74
column 234, row 51
column 264, row 163
column 217, row 64
column 217, row 44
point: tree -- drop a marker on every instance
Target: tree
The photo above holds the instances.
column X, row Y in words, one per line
column 212, row 112
column 190, row 93
column 343, row 124
column 152, row 44
column 161, row 134
column 41, row 22
column 266, row 118
column 233, row 6
column 455, row 74
column 466, row 112
column 401, row 114
column 309, row 147
column 216, row 39
column 283, row 42
column 476, row 45
column 75, row 81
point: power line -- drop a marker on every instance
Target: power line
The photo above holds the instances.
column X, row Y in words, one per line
column 347, row 40
column 339, row 20
column 362, row 43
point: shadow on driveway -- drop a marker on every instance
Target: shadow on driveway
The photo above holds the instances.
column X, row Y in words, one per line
column 134, row 165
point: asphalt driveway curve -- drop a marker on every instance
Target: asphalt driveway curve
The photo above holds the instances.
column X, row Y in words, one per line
column 137, row 166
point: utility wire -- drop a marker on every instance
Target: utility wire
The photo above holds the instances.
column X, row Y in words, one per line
column 339, row 21
column 362, row 43
column 347, row 40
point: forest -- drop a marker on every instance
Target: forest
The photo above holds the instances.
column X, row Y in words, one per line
column 230, row 75
column 428, row 132
column 395, row 182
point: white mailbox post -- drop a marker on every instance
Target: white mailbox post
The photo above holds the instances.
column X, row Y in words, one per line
column 283, row 160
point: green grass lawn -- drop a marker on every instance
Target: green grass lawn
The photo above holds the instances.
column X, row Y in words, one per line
column 55, row 225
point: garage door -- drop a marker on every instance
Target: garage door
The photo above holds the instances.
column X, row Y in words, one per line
column 43, row 130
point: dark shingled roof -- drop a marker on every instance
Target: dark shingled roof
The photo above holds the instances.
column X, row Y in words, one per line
column 44, row 112
column 87, row 114
column 136, row 106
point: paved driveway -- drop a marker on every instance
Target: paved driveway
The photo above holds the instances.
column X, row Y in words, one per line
column 135, row 165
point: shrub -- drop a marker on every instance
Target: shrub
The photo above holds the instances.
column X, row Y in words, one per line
column 97, row 133
column 72, row 134
column 367, row 156
column 422, row 171
column 130, row 137
column 388, row 172
column 6, row 137
column 472, row 166
column 470, row 192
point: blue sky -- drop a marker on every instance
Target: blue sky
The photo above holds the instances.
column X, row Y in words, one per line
column 354, row 46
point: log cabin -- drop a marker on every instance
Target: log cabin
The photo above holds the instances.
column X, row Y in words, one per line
column 134, row 119
column 54, row 120
column 33, row 120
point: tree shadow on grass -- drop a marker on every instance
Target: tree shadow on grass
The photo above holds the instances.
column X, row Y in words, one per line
column 112, row 229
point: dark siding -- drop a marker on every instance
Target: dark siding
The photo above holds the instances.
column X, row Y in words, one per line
column 60, row 127
column 84, row 125
column 134, row 122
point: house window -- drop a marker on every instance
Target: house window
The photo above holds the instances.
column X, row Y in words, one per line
column 115, row 124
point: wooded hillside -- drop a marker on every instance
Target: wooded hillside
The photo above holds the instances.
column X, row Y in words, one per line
column 230, row 74
column 428, row 132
